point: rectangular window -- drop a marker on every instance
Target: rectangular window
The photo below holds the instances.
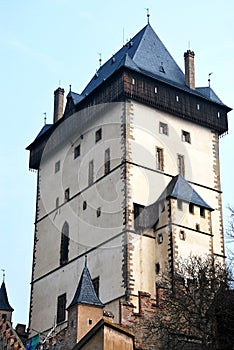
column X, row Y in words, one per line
column 160, row 238
column 77, row 151
column 57, row 166
column 138, row 217
column 202, row 212
column 180, row 164
column 182, row 235
column 98, row 135
column 163, row 128
column 179, row 204
column 159, row 159
column 107, row 161
column 191, row 208
column 197, row 227
column 61, row 308
column 96, row 285
column 67, row 194
column 99, row 212
column 91, row 172
column 185, row 136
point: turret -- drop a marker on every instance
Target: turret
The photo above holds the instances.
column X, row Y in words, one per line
column 5, row 307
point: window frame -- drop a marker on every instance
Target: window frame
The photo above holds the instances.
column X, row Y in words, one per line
column 185, row 136
column 77, row 151
column 181, row 164
column 98, row 135
column 57, row 166
column 107, row 161
column 163, row 128
column 61, row 308
column 159, row 159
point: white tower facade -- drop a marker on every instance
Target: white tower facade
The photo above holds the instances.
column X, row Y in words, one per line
column 129, row 176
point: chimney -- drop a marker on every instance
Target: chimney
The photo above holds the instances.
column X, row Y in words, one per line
column 58, row 104
column 189, row 69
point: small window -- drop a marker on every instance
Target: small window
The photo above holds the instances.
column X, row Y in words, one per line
column 91, row 173
column 182, row 235
column 155, row 90
column 107, row 161
column 84, row 205
column 157, row 268
column 191, row 208
column 163, row 128
column 133, row 81
column 99, row 212
column 138, row 217
column 197, row 227
column 198, row 106
column 180, row 164
column 67, row 194
column 57, row 202
column 160, row 238
column 177, row 98
column 61, row 308
column 90, row 321
column 98, row 135
column 77, row 152
column 57, row 166
column 96, row 285
column 64, row 245
column 179, row 204
column 218, row 114
column 202, row 212
column 185, row 136
column 159, row 159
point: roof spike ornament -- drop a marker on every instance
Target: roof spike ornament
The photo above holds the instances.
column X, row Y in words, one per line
column 209, row 78
column 148, row 15
column 44, row 118
column 85, row 260
column 3, row 275
column 100, row 59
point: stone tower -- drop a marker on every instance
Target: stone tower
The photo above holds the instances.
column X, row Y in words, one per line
column 129, row 176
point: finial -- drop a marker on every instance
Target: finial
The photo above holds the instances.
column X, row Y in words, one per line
column 148, row 14
column 70, row 87
column 209, row 78
column 100, row 59
column 85, row 260
column 44, row 118
column 3, row 275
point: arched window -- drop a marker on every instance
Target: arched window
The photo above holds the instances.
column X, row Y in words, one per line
column 64, row 244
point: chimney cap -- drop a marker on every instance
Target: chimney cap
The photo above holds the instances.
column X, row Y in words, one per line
column 189, row 53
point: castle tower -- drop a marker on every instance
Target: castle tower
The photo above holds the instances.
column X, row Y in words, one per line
column 85, row 309
column 5, row 307
column 129, row 176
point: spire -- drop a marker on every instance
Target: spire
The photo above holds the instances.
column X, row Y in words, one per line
column 85, row 293
column 4, row 303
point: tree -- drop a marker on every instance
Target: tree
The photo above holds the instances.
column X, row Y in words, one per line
column 193, row 312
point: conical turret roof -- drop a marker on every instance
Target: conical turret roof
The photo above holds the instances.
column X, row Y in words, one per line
column 4, row 303
column 85, row 293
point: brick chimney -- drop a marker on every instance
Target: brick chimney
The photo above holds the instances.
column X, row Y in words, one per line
column 58, row 104
column 189, row 69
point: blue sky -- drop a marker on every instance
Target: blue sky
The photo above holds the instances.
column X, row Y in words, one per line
column 46, row 42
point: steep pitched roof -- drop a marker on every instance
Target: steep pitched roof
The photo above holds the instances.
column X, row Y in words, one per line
column 4, row 303
column 179, row 188
column 209, row 93
column 85, row 293
column 144, row 52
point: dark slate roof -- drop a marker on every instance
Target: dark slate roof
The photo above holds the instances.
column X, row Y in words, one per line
column 85, row 293
column 76, row 98
column 209, row 93
column 43, row 130
column 179, row 188
column 4, row 303
column 144, row 52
